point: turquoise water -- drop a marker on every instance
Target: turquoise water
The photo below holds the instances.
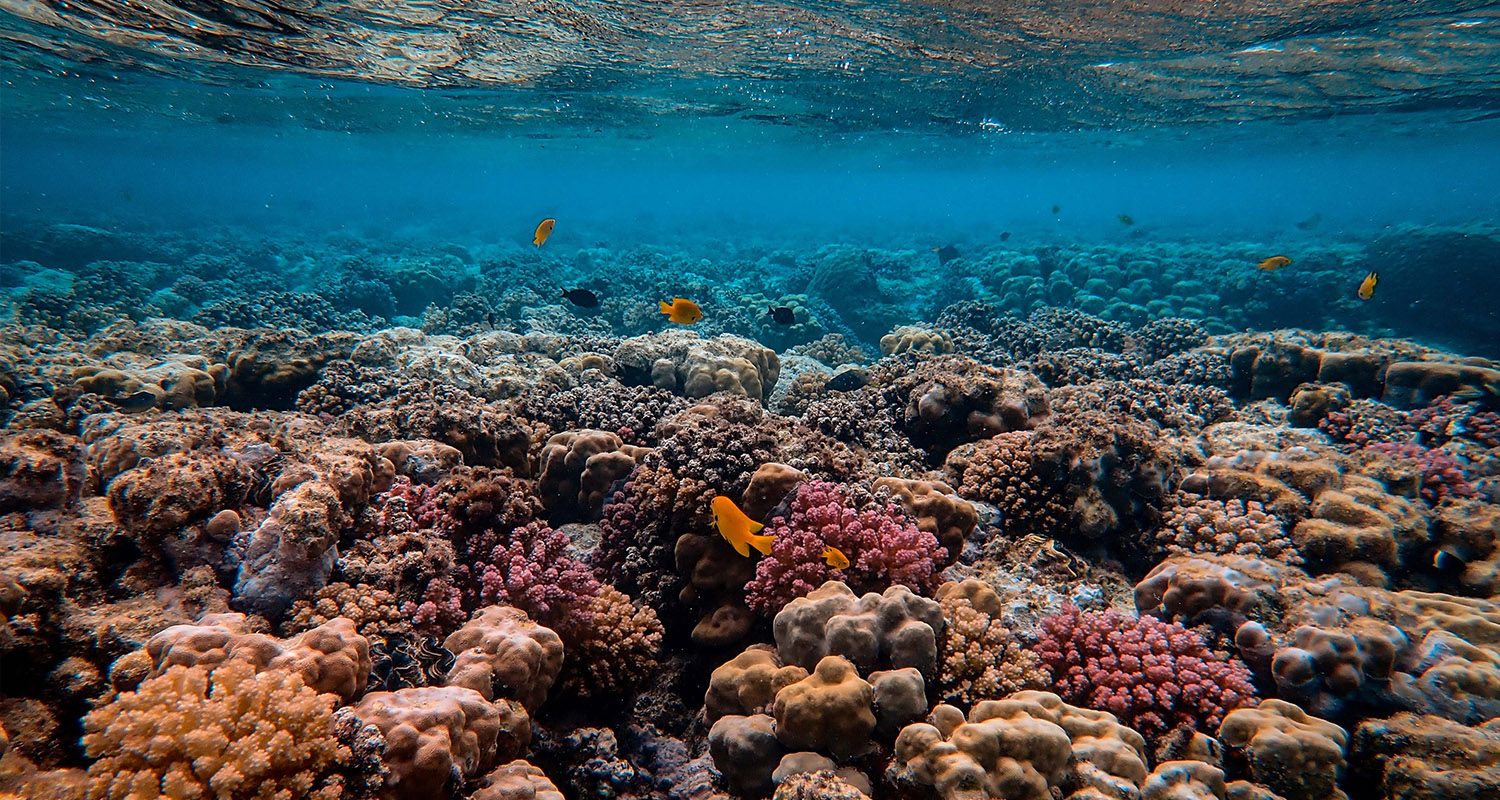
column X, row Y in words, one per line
column 254, row 256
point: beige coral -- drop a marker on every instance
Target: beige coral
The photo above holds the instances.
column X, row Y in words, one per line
column 829, row 710
column 1021, row 748
column 432, row 732
column 980, row 658
column 1293, row 753
column 617, row 649
column 234, row 734
column 937, row 509
column 518, row 780
column 578, row 468
column 915, row 339
column 501, row 652
column 748, row 683
column 329, row 658
column 893, row 629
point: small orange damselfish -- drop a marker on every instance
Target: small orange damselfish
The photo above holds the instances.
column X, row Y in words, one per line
column 543, row 231
column 1367, row 286
column 834, row 557
column 1274, row 263
column 738, row 529
column 681, row 310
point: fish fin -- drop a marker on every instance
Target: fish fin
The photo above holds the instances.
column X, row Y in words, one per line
column 755, row 527
column 666, row 308
column 762, row 543
column 740, row 546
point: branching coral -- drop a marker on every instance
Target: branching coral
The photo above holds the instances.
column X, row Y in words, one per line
column 883, row 545
column 1153, row 675
column 235, row 734
column 1194, row 524
column 979, row 658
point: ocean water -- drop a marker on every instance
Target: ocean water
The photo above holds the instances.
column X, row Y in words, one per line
column 277, row 342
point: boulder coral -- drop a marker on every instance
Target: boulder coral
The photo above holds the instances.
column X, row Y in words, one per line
column 435, row 733
column 1025, row 747
column 1298, row 756
column 893, row 630
column 501, row 653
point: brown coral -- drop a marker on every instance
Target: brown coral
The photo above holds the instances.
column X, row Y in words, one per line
column 434, row 732
column 979, row 657
column 829, row 710
column 1298, row 756
column 329, row 658
column 502, row 653
column 577, row 470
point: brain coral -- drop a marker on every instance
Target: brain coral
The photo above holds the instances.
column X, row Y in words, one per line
column 1155, row 675
column 236, row 734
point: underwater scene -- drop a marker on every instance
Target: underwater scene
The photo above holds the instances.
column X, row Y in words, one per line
column 787, row 400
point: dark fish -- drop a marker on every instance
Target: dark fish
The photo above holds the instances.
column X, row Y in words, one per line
column 1125, row 219
column 782, row 315
column 135, row 403
column 1005, row 236
column 1446, row 560
column 1056, row 209
column 1310, row 223
column 848, row 380
column 946, row 253
column 583, row 298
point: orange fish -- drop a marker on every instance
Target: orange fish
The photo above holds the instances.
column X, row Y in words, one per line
column 1274, row 263
column 543, row 231
column 1367, row 286
column 835, row 557
column 738, row 529
column 681, row 311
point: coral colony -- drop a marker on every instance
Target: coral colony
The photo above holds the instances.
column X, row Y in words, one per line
column 1081, row 535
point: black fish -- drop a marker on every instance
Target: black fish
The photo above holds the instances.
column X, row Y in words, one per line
column 1310, row 223
column 782, row 315
column 946, row 253
column 583, row 298
column 1125, row 219
column 1057, row 209
column 848, row 380
column 1005, row 236
column 135, row 403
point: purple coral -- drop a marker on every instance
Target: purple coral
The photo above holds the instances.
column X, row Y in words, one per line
column 883, row 545
column 1153, row 675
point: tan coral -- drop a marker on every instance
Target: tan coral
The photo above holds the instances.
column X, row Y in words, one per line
column 893, row 629
column 979, row 657
column 330, row 658
column 577, row 469
column 748, row 683
column 914, row 339
column 1296, row 755
column 937, row 509
column 1184, row 780
column 518, row 780
column 39, row 469
column 235, row 734
column 1021, row 748
column 769, row 485
column 829, row 710
column 500, row 652
column 434, row 731
column 617, row 650
column 1411, row 757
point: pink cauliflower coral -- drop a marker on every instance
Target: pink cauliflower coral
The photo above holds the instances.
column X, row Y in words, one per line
column 1153, row 675
column 1442, row 474
column 883, row 545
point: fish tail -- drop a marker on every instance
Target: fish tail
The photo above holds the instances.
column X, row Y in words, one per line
column 665, row 307
column 762, row 543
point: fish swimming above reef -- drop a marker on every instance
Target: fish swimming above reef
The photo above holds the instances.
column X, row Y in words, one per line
column 946, row 253
column 1125, row 219
column 848, row 380
column 738, row 529
column 1005, row 236
column 1367, row 286
column 681, row 310
column 543, row 230
column 1310, row 223
column 1274, row 263
column 781, row 315
column 834, row 557
column 1056, row 209
column 583, row 298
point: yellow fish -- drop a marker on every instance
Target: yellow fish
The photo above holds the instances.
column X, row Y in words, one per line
column 1274, row 263
column 681, row 310
column 835, row 557
column 738, row 529
column 1367, row 286
column 543, row 231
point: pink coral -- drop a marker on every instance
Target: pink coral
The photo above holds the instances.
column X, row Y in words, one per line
column 1442, row 474
column 882, row 543
column 534, row 572
column 1154, row 675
